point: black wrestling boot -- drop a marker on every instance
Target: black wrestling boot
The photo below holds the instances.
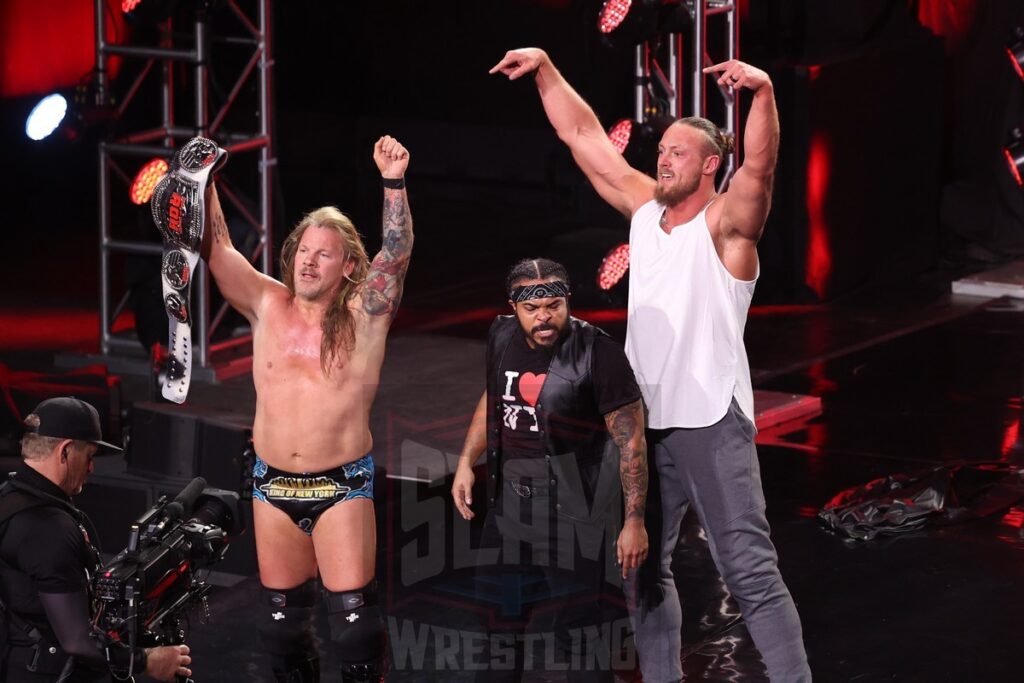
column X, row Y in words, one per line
column 362, row 673
column 298, row 670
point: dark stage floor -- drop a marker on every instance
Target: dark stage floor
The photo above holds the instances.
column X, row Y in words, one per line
column 909, row 378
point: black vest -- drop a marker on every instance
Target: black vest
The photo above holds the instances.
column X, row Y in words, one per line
column 581, row 456
column 16, row 497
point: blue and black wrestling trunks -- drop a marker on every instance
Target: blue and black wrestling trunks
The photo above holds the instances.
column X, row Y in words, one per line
column 307, row 495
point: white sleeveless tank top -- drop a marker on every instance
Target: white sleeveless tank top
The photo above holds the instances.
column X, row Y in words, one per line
column 684, row 336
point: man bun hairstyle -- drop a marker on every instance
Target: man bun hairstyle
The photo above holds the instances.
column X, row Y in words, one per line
column 719, row 142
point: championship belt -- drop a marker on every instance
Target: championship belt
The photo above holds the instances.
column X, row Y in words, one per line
column 179, row 211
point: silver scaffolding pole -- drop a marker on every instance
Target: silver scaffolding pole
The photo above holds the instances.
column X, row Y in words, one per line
column 686, row 75
column 166, row 133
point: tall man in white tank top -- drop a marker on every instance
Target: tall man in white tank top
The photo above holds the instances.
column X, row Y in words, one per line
column 693, row 266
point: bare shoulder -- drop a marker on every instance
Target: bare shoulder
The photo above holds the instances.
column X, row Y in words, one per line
column 275, row 300
column 277, row 294
column 713, row 216
column 722, row 214
column 737, row 251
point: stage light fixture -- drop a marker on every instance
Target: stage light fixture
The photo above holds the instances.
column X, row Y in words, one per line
column 1015, row 51
column 1014, row 154
column 146, row 179
column 641, row 150
column 619, row 134
column 613, row 267
column 612, row 14
column 46, row 116
column 637, row 142
column 68, row 114
column 624, row 23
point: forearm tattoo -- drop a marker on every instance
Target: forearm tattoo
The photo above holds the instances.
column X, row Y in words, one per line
column 220, row 226
column 626, row 426
column 384, row 283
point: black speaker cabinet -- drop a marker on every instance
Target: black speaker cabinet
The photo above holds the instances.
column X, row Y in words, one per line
column 162, row 442
column 224, row 454
column 181, row 442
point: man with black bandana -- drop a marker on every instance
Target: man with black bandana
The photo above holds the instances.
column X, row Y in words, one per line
column 46, row 559
column 563, row 426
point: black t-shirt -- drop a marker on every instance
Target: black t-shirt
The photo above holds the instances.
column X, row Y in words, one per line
column 522, row 374
column 46, row 550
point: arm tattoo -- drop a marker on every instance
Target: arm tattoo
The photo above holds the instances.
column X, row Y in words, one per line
column 626, row 426
column 220, row 228
column 215, row 222
column 384, row 283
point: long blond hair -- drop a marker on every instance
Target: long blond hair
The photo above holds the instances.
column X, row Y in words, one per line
column 338, row 326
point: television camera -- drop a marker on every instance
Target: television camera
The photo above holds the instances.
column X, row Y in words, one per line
column 143, row 595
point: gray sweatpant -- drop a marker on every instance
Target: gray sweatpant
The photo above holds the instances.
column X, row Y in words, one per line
column 715, row 469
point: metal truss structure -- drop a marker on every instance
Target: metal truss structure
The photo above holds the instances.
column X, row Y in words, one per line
column 182, row 61
column 686, row 75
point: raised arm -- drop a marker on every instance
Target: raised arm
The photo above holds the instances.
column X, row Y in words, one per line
column 382, row 291
column 626, row 426
column 746, row 204
column 576, row 124
column 241, row 284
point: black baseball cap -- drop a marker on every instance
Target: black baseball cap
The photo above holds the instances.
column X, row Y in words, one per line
column 70, row 418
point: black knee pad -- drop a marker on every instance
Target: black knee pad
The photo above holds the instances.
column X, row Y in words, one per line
column 357, row 630
column 284, row 620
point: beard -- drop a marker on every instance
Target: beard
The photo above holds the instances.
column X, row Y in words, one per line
column 311, row 291
column 674, row 194
column 559, row 333
column 307, row 292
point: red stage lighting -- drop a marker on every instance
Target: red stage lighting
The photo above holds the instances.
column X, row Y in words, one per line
column 146, row 179
column 625, row 23
column 613, row 266
column 1015, row 51
column 1014, row 154
column 612, row 14
column 638, row 142
column 619, row 135
column 150, row 12
column 1014, row 164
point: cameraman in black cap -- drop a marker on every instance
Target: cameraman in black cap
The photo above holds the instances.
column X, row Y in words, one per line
column 47, row 560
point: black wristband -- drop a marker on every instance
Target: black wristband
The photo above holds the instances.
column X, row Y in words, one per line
column 393, row 183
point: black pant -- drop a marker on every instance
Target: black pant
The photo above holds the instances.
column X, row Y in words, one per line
column 546, row 603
